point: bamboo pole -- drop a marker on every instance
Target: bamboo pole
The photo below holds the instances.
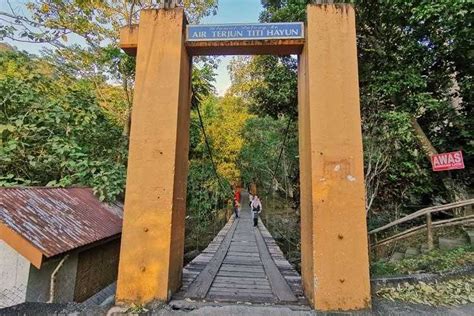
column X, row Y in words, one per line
column 424, row 211
column 409, row 232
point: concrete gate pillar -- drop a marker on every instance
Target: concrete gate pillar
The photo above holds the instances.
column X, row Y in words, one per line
column 151, row 256
column 333, row 222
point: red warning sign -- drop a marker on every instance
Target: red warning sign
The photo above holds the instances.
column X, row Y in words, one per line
column 447, row 161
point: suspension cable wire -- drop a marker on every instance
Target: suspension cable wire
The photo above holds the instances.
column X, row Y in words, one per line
column 208, row 146
column 282, row 146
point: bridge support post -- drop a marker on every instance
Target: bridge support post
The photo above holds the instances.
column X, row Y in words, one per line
column 335, row 266
column 152, row 248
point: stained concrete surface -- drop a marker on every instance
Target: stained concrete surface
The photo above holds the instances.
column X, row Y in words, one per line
column 380, row 307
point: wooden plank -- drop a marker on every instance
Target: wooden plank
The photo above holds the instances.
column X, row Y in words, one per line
column 249, row 263
column 244, row 248
column 240, row 274
column 239, row 268
column 245, row 254
column 203, row 282
column 291, row 276
column 237, row 291
column 248, row 295
column 279, row 286
column 243, row 262
column 241, row 280
column 240, row 286
column 242, row 258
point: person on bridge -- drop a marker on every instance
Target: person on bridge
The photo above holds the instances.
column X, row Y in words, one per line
column 237, row 195
column 237, row 202
column 256, row 207
column 236, row 208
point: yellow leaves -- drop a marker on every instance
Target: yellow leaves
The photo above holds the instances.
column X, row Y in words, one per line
column 224, row 120
column 44, row 8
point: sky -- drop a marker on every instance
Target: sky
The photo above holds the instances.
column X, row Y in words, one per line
column 229, row 11
column 232, row 11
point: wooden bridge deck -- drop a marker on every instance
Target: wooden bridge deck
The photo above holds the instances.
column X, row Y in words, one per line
column 242, row 264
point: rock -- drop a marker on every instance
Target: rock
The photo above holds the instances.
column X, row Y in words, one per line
column 117, row 310
column 190, row 255
column 450, row 243
column 397, row 256
column 108, row 302
column 470, row 233
column 424, row 248
column 411, row 252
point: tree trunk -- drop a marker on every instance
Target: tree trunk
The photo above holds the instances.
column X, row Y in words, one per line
column 456, row 192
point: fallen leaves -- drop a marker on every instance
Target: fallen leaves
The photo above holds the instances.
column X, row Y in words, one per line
column 446, row 293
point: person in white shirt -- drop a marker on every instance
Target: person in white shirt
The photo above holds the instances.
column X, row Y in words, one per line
column 256, row 207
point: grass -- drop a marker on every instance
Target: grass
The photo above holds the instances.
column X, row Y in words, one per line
column 435, row 261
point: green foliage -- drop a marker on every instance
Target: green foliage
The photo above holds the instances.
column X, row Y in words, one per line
column 264, row 138
column 53, row 131
column 268, row 84
column 415, row 62
column 205, row 194
column 435, row 261
column 275, row 95
column 407, row 68
column 93, row 26
column 96, row 22
column 208, row 193
column 406, row 178
column 284, row 10
column 203, row 79
column 452, row 292
column 282, row 222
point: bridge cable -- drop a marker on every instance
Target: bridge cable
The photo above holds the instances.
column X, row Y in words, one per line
column 208, row 146
column 282, row 145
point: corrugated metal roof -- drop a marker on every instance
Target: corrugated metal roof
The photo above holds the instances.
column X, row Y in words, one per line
column 57, row 220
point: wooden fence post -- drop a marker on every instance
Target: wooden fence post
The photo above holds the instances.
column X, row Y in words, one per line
column 429, row 230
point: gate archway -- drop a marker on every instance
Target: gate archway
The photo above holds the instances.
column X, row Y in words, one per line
column 334, row 247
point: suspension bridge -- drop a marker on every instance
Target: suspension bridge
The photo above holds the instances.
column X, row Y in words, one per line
column 242, row 264
column 334, row 250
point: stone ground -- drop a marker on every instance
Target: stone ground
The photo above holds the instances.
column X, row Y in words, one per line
column 380, row 307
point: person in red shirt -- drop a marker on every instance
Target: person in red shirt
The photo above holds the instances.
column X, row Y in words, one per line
column 237, row 195
column 237, row 202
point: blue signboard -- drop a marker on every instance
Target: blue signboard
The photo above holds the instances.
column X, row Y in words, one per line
column 227, row 32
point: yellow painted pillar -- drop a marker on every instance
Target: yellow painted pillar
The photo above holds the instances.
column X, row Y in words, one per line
column 335, row 265
column 152, row 248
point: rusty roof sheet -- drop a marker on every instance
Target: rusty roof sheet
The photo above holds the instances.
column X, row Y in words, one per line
column 57, row 220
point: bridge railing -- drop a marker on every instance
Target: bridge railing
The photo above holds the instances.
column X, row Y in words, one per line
column 428, row 226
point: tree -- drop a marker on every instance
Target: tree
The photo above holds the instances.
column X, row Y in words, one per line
column 269, row 155
column 409, row 52
column 269, row 84
column 54, row 131
column 93, row 27
column 224, row 121
column 415, row 85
